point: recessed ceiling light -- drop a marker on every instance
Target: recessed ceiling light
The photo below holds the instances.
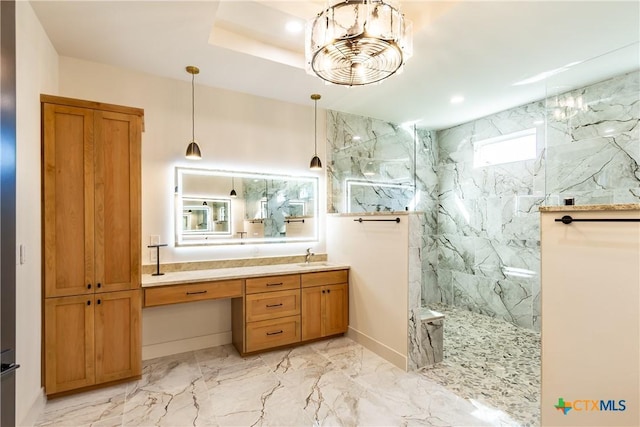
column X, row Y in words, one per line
column 294, row 27
column 457, row 99
column 356, row 138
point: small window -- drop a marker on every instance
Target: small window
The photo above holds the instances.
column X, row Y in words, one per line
column 514, row 147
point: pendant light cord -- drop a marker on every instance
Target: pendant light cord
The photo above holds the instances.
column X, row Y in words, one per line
column 193, row 108
column 315, row 128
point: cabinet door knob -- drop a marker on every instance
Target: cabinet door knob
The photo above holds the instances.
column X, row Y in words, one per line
column 328, row 291
column 89, row 286
column 89, row 302
column 99, row 301
column 99, row 285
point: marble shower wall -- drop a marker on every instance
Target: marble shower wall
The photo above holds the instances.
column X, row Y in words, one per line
column 371, row 166
column 488, row 221
column 488, row 238
column 592, row 143
column 480, row 247
column 356, row 145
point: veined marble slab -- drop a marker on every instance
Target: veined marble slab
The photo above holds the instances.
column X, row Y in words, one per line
column 573, row 208
column 228, row 263
column 194, row 276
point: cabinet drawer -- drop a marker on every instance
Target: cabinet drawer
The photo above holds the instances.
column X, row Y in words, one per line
column 270, row 305
column 273, row 333
column 163, row 295
column 324, row 278
column 273, row 283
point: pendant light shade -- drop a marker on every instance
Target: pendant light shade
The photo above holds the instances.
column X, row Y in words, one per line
column 369, row 169
column 315, row 164
column 193, row 150
column 233, row 193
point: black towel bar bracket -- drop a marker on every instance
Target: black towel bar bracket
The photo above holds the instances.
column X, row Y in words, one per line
column 377, row 220
column 567, row 219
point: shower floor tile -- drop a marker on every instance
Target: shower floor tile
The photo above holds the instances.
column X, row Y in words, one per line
column 490, row 361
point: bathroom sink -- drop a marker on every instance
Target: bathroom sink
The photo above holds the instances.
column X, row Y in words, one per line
column 314, row 264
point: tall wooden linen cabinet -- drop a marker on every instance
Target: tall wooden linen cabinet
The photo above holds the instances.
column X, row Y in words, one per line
column 91, row 243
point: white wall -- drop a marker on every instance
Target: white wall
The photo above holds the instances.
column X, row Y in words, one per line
column 37, row 72
column 590, row 316
column 378, row 253
column 235, row 131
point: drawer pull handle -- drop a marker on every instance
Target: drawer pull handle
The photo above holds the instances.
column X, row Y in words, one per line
column 275, row 284
column 275, row 333
column 274, row 305
column 196, row 293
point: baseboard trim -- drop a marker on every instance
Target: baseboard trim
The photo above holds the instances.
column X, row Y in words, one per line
column 36, row 409
column 378, row 348
column 152, row 351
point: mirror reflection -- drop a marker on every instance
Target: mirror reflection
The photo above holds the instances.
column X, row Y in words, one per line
column 223, row 207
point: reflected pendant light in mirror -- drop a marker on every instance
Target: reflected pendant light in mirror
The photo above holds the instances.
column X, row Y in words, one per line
column 315, row 160
column 233, row 193
column 193, row 151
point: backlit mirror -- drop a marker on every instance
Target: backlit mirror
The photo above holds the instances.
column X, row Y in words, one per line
column 266, row 208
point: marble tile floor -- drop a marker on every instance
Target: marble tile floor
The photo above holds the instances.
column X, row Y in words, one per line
column 331, row 383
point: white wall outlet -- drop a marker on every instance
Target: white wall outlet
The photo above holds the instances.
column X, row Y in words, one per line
column 154, row 239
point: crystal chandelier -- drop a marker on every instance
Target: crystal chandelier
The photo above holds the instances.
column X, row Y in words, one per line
column 357, row 42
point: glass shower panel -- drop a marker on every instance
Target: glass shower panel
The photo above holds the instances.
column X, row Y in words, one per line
column 592, row 133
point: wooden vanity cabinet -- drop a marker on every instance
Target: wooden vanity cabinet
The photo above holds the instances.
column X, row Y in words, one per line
column 290, row 309
column 91, row 242
column 272, row 315
column 91, row 339
column 91, row 196
column 325, row 304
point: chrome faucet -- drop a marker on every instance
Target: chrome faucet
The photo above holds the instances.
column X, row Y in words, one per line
column 308, row 256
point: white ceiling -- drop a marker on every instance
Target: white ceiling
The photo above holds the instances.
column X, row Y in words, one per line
column 471, row 48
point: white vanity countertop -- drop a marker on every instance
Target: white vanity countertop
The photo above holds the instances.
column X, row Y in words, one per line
column 193, row 276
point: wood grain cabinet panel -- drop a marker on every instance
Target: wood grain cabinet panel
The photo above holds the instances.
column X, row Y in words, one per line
column 92, row 246
column 163, row 295
column 117, row 335
column 69, row 343
column 269, row 305
column 324, row 278
column 335, row 309
column 68, row 196
column 273, row 333
column 272, row 283
column 325, row 310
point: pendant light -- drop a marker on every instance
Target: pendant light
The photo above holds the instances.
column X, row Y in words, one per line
column 315, row 164
column 233, row 193
column 193, row 151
